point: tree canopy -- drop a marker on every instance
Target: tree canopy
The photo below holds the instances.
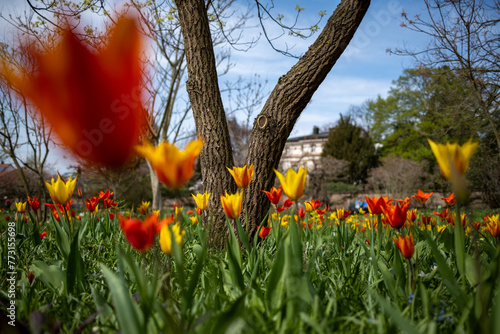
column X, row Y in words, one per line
column 350, row 142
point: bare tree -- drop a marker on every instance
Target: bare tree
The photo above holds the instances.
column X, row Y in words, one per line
column 25, row 138
column 463, row 35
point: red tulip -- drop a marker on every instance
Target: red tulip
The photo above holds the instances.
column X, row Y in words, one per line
column 138, row 233
column 91, row 99
column 274, row 195
column 264, row 231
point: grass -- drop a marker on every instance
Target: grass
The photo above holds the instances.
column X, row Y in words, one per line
column 333, row 277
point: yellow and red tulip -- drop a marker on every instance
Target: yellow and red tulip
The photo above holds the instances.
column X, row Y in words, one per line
column 143, row 208
column 293, row 183
column 453, row 155
column 201, row 200
column 405, row 245
column 173, row 166
column 34, row 203
column 242, row 175
column 60, row 191
column 232, row 204
column 166, row 237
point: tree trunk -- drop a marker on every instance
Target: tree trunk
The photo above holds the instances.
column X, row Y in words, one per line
column 289, row 98
column 155, row 188
column 210, row 119
column 274, row 124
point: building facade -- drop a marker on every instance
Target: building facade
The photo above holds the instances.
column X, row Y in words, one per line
column 303, row 151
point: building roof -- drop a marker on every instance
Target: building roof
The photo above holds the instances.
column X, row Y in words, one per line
column 315, row 135
column 6, row 168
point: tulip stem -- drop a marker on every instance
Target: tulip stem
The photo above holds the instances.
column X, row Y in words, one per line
column 69, row 222
column 412, row 277
column 379, row 237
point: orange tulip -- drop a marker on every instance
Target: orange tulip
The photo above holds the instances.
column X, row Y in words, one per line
column 274, row 195
column 375, row 204
column 242, row 175
column 450, row 200
column 232, row 204
column 422, row 197
column 173, row 166
column 140, row 234
column 405, row 245
column 396, row 214
column 92, row 100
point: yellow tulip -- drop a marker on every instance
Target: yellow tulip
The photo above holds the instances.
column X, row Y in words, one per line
column 194, row 220
column 232, row 204
column 242, row 175
column 166, row 237
column 201, row 200
column 143, row 209
column 60, row 191
column 448, row 154
column 21, row 207
column 173, row 166
column 294, row 182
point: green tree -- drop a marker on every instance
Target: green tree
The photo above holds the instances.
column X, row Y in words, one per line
column 350, row 142
column 439, row 104
column 423, row 103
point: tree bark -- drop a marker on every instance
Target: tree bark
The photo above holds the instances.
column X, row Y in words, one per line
column 289, row 98
column 275, row 122
column 155, row 188
column 208, row 111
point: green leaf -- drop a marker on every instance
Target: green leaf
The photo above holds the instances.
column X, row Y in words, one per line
column 62, row 238
column 273, row 288
column 127, row 311
column 243, row 236
column 75, row 264
column 404, row 323
column 51, row 275
column 447, row 274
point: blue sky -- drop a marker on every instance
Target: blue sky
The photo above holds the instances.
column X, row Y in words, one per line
column 363, row 72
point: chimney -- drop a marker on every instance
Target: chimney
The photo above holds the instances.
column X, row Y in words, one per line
column 315, row 130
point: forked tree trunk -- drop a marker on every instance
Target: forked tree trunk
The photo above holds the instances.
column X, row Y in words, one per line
column 289, row 98
column 210, row 119
column 275, row 122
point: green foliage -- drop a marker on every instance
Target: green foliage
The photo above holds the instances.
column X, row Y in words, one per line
column 350, row 142
column 338, row 187
column 337, row 277
column 439, row 104
column 424, row 103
